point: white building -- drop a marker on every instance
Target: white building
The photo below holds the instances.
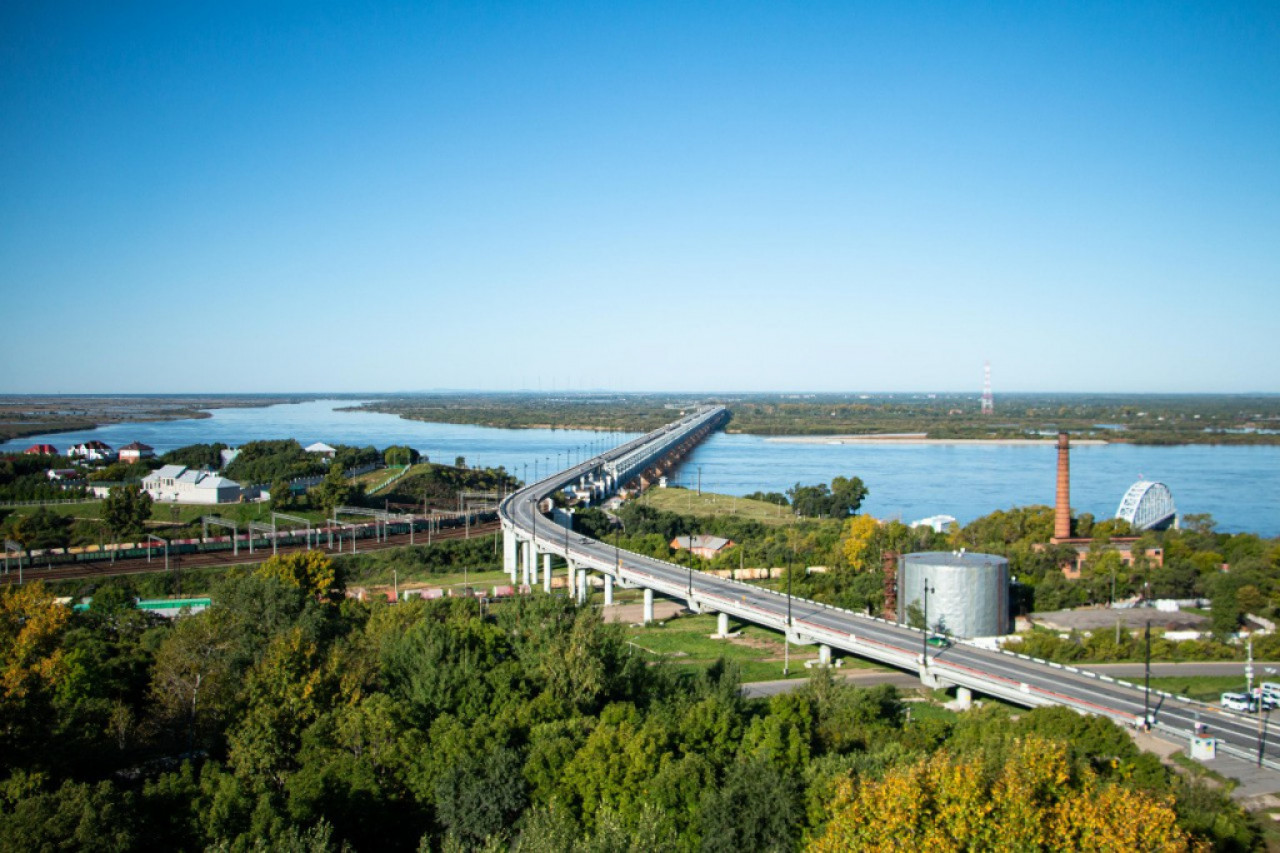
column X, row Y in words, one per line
column 938, row 523
column 323, row 449
column 92, row 451
column 180, row 484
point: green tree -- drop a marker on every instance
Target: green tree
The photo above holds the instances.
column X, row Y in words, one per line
column 43, row 528
column 281, row 495
column 481, row 794
column 753, row 808
column 126, row 510
column 399, row 454
column 335, row 490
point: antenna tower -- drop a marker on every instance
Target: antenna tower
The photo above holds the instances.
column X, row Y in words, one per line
column 988, row 403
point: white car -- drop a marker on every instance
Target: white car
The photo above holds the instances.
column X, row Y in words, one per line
column 1237, row 702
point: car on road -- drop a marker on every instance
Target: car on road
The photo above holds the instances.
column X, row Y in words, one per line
column 939, row 642
column 1238, row 702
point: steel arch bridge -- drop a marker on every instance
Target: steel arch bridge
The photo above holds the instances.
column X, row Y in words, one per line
column 1148, row 506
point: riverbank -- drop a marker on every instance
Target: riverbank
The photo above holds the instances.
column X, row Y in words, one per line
column 38, row 414
column 922, row 439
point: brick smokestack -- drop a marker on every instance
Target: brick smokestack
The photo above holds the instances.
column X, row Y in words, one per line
column 889, row 564
column 1062, row 513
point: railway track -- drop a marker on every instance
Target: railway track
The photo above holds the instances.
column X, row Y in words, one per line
column 227, row 559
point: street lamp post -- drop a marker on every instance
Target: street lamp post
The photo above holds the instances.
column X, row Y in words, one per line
column 924, row 636
column 691, row 574
column 1263, row 719
column 533, row 546
column 1146, row 698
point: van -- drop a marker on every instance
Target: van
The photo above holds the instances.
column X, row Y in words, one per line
column 1237, row 702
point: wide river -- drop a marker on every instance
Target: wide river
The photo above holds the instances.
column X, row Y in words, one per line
column 1239, row 486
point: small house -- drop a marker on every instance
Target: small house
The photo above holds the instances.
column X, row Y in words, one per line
column 321, row 449
column 92, row 451
column 136, row 452
column 41, row 450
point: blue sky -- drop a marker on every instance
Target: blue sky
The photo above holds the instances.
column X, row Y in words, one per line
column 688, row 196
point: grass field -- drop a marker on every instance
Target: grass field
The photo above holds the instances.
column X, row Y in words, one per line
column 1206, row 688
column 686, row 640
column 689, row 502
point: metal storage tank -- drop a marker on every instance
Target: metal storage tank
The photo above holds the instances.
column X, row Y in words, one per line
column 968, row 593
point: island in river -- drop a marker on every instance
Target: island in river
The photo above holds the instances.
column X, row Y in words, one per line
column 1148, row 419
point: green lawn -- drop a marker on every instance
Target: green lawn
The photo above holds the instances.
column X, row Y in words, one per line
column 686, row 640
column 1206, row 688
column 689, row 502
column 374, row 480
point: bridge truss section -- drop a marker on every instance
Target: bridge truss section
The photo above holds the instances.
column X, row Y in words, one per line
column 1147, row 506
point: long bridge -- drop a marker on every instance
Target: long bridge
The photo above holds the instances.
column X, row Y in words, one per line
column 529, row 535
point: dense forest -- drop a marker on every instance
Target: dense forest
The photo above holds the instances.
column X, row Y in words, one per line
column 289, row 717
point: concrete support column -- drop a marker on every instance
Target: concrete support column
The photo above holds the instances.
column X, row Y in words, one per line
column 546, row 572
column 722, row 624
column 608, row 590
column 528, row 556
column 571, row 579
column 964, row 696
column 582, row 586
column 648, row 606
column 824, row 655
column 509, row 553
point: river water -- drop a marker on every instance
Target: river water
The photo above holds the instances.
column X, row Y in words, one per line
column 1239, row 486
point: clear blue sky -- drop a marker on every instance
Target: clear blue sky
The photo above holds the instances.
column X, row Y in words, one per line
column 842, row 196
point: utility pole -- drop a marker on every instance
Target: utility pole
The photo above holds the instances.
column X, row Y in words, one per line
column 924, row 637
column 1263, row 718
column 1146, row 701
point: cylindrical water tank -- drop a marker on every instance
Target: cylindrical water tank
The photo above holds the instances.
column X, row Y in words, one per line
column 968, row 593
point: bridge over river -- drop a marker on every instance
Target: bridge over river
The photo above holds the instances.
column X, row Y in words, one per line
column 528, row 534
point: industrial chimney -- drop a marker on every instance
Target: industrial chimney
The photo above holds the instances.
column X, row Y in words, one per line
column 889, row 564
column 1062, row 512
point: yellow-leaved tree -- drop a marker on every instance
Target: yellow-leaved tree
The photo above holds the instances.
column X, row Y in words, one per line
column 312, row 571
column 31, row 628
column 858, row 541
column 942, row 803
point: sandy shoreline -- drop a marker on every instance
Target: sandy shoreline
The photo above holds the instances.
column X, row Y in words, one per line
column 904, row 439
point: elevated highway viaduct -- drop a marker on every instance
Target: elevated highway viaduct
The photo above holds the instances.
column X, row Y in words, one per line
column 528, row 534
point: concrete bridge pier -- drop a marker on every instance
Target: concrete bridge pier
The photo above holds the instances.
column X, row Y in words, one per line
column 964, row 697
column 648, row 606
column 608, row 590
column 824, row 655
column 582, row 586
column 571, row 579
column 509, row 545
column 529, row 556
column 722, row 625
column 546, row 572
